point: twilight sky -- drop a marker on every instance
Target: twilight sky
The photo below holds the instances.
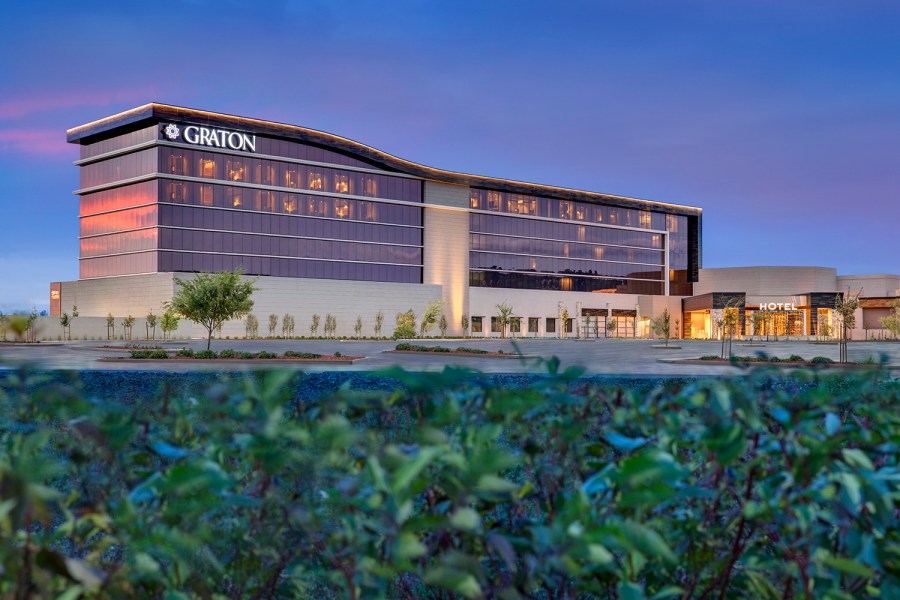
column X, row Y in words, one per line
column 780, row 119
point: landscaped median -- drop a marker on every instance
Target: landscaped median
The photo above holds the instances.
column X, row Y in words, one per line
column 187, row 354
column 794, row 360
column 460, row 351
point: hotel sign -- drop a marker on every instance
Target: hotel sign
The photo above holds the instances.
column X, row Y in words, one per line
column 216, row 138
column 778, row 306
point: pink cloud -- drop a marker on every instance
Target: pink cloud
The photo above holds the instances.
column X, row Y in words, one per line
column 20, row 107
column 41, row 142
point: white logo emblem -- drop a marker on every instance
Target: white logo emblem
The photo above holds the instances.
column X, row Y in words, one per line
column 171, row 131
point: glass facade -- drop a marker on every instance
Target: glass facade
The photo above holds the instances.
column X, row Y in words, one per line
column 338, row 224
column 294, row 209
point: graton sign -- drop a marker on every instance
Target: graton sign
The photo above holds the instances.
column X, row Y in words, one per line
column 217, row 138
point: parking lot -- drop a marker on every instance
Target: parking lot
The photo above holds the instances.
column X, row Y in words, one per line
column 596, row 356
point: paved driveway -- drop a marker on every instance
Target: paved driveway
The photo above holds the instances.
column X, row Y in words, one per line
column 601, row 356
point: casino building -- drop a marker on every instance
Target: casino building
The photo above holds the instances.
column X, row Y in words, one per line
column 330, row 225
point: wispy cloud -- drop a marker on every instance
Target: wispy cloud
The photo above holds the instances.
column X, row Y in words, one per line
column 22, row 106
column 41, row 142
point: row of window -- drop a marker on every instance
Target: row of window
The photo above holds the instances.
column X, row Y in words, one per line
column 134, row 218
column 237, row 243
column 126, row 140
column 126, row 196
column 135, row 164
column 250, row 222
column 126, row 264
column 516, row 323
column 554, row 230
column 570, row 210
column 210, row 165
column 297, row 150
column 288, row 267
column 512, row 262
column 564, row 283
column 516, row 245
column 224, row 196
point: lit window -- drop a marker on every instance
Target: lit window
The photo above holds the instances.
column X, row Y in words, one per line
column 265, row 173
column 206, row 195
column 645, row 219
column 474, row 198
column 290, row 178
column 493, row 200
column 207, row 167
column 234, row 169
column 290, row 203
column 580, row 213
column 565, row 210
column 342, row 184
column 177, row 164
column 341, row 209
column 370, row 186
column 315, row 181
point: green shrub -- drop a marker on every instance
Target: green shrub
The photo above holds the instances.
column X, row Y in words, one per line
column 796, row 358
column 248, row 355
column 266, row 355
column 158, row 354
column 774, row 359
column 440, row 349
column 185, row 353
column 228, row 353
column 206, row 354
column 140, row 354
column 293, row 354
column 338, row 354
column 821, row 360
column 735, row 488
column 405, row 346
column 472, row 350
column 711, row 357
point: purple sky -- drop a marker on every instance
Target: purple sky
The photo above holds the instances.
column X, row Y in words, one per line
column 780, row 119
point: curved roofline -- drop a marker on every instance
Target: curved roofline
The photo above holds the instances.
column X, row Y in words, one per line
column 155, row 110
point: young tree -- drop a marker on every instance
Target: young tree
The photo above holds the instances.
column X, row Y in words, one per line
column 504, row 311
column 4, row 323
column 287, row 325
column 151, row 321
column 210, row 299
column 330, row 325
column 729, row 322
column 110, row 326
column 443, row 325
column 892, row 321
column 273, row 323
column 564, row 319
column 430, row 317
column 845, row 306
column 251, row 326
column 612, row 326
column 406, row 325
column 314, row 326
column 662, row 325
column 758, row 320
column 127, row 324
column 357, row 327
column 66, row 323
column 379, row 322
column 168, row 323
column 464, row 322
column 677, row 331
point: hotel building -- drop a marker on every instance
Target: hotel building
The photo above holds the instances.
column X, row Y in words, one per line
column 330, row 225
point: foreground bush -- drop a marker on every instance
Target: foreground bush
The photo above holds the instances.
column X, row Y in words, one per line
column 726, row 488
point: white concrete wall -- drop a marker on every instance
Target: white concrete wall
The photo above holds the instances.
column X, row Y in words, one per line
column 94, row 328
column 769, row 281
column 134, row 295
column 872, row 286
column 446, row 252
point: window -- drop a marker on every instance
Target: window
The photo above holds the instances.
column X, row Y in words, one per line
column 515, row 325
column 314, row 181
column 533, row 324
column 207, row 167
column 206, row 195
column 177, row 164
column 342, row 184
column 476, row 325
column 551, row 325
column 569, row 323
column 234, row 169
column 495, row 325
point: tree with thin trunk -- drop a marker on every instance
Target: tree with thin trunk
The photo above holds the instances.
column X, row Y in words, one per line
column 357, row 327
column 443, row 325
column 892, row 321
column 845, row 306
column 314, row 326
column 379, row 323
column 564, row 319
column 110, row 326
column 127, row 324
column 168, row 323
column 430, row 316
column 662, row 325
column 273, row 323
column 464, row 322
column 251, row 326
column 612, row 326
column 150, row 324
column 504, row 312
column 210, row 299
column 66, row 323
column 287, row 325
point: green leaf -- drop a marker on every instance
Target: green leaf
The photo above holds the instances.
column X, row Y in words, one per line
column 599, row 555
column 857, row 458
column 832, row 423
column 647, row 541
column 630, row 591
column 849, row 566
column 465, row 519
column 409, row 470
column 408, row 547
column 458, row 582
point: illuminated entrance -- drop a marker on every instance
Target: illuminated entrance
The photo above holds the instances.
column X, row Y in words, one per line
column 792, row 322
column 595, row 322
